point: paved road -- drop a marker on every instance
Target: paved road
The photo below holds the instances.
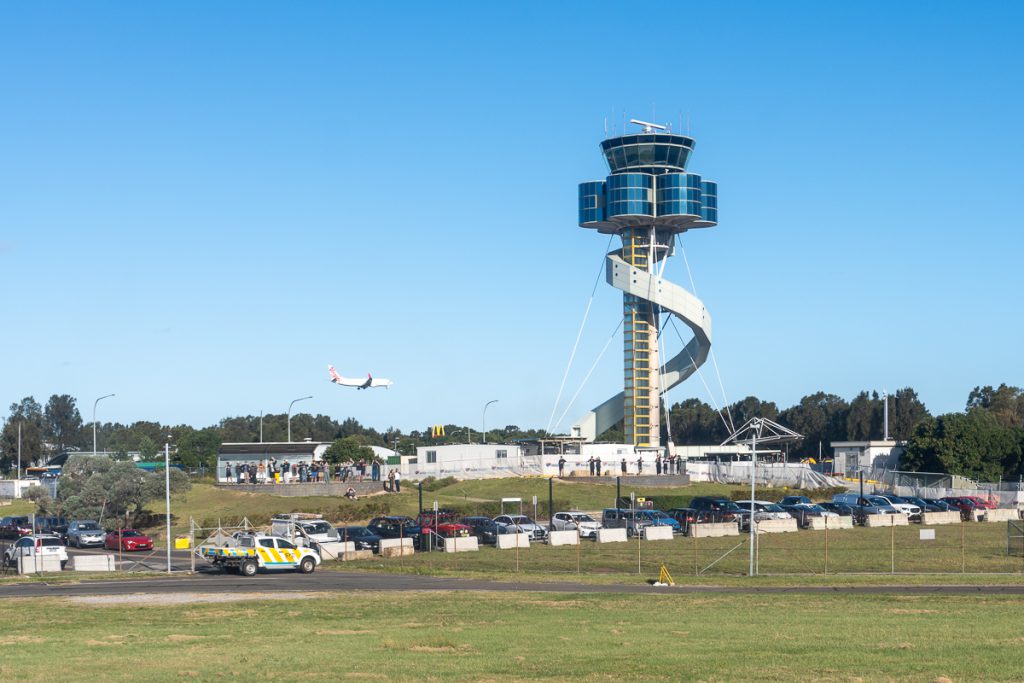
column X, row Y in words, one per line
column 331, row 581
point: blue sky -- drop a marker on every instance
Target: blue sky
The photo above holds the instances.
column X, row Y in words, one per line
column 203, row 205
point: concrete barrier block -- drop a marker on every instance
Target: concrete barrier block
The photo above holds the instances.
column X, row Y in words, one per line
column 713, row 530
column 1001, row 515
column 570, row 537
column 777, row 526
column 937, row 518
column 93, row 563
column 387, row 543
column 886, row 520
column 657, row 533
column 611, row 536
column 333, row 550
column 830, row 523
column 396, row 551
column 464, row 544
column 509, row 541
column 356, row 555
column 35, row 565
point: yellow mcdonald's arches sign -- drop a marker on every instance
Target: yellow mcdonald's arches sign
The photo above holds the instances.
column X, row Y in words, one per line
column 437, row 431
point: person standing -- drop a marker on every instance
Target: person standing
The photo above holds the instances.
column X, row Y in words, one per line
column 623, row 466
column 227, row 472
column 561, row 467
column 657, row 464
column 391, row 481
column 398, row 481
column 639, row 465
column 597, row 465
column 590, row 462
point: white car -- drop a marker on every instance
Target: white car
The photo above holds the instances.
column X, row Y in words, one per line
column 511, row 524
column 586, row 525
column 764, row 509
column 909, row 509
column 36, row 546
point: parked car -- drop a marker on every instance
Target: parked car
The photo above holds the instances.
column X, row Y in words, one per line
column 127, row 539
column 395, row 526
column 717, row 509
column 659, row 518
column 36, row 545
column 361, row 537
column 685, row 517
column 85, row 532
column 764, row 510
column 512, row 524
column 804, row 512
column 581, row 522
column 911, row 510
column 982, row 503
column 56, row 526
column 925, row 505
column 445, row 523
column 483, row 528
column 14, row 527
column 964, row 504
column 863, row 506
column 841, row 509
column 944, row 506
column 624, row 518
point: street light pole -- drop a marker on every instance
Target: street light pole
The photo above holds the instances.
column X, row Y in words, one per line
column 290, row 415
column 483, row 430
column 167, row 490
column 94, row 421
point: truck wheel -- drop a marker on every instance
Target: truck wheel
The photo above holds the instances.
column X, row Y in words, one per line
column 248, row 568
column 307, row 565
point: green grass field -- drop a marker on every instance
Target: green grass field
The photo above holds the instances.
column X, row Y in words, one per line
column 521, row 637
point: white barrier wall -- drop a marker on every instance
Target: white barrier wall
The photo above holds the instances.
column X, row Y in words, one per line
column 390, row 543
column 333, row 550
column 508, row 541
column 713, row 530
column 570, row 537
column 822, row 523
column 465, row 544
column 611, row 536
column 93, row 563
column 936, row 518
column 657, row 533
column 777, row 526
column 1001, row 515
column 42, row 563
column 886, row 520
column 357, row 555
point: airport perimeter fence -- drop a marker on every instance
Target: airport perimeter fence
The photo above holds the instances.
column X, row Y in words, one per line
column 963, row 548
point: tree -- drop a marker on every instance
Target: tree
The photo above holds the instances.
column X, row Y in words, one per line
column 196, row 448
column 696, row 423
column 972, row 444
column 864, row 418
column 1006, row 403
column 62, row 422
column 40, row 495
column 348, row 449
column 906, row 411
column 27, row 414
column 97, row 487
column 820, row 418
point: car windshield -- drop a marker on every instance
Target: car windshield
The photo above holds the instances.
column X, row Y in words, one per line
column 89, row 526
column 581, row 518
column 772, row 507
column 877, row 500
column 49, row 541
column 317, row 528
column 520, row 519
column 814, row 507
column 130, row 532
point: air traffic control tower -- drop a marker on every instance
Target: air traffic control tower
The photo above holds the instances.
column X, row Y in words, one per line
column 648, row 199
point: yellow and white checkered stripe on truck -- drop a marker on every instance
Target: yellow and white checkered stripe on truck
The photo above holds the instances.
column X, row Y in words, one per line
column 268, row 555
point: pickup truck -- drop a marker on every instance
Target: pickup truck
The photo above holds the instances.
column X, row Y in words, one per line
column 248, row 553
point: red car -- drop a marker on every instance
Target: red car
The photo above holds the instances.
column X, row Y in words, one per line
column 446, row 523
column 127, row 539
column 982, row 502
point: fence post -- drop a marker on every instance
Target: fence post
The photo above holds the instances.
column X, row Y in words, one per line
column 963, row 549
column 892, row 549
column 696, row 564
column 826, row 545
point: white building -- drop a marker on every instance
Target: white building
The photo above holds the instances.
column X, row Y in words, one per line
column 851, row 457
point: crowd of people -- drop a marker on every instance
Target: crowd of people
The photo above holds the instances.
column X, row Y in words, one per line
column 317, row 471
column 670, row 464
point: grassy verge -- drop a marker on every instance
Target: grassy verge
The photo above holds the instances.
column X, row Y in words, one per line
column 472, row 636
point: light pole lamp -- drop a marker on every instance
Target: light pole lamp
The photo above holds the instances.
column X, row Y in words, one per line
column 167, row 491
column 290, row 415
column 94, row 420
column 483, row 425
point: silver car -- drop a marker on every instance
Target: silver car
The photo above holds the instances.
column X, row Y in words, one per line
column 85, row 532
column 586, row 525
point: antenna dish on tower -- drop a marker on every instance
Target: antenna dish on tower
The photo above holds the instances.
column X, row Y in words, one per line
column 648, row 127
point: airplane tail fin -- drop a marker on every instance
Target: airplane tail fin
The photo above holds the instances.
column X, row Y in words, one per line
column 333, row 374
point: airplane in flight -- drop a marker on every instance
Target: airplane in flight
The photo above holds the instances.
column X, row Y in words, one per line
column 367, row 383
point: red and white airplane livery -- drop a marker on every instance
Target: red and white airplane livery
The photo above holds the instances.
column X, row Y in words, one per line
column 367, row 383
